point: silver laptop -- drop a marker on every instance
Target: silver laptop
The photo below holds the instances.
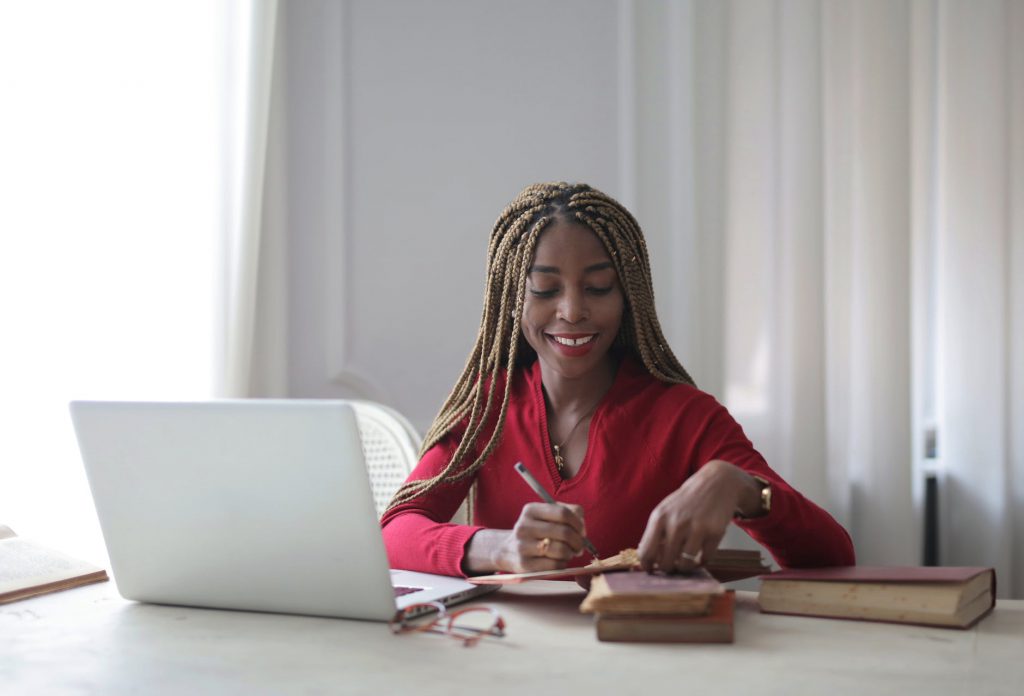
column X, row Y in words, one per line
column 258, row 505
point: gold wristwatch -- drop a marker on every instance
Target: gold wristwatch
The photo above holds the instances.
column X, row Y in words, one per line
column 766, row 500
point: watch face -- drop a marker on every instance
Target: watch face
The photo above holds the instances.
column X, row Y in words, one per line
column 766, row 495
column 766, row 500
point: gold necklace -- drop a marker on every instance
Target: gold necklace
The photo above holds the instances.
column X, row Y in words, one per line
column 557, row 449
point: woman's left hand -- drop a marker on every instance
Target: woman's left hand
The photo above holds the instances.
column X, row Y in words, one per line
column 693, row 519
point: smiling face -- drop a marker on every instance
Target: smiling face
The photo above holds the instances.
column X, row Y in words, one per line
column 574, row 303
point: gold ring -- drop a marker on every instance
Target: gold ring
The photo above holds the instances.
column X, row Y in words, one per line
column 543, row 545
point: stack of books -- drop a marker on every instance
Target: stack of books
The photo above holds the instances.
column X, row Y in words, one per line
column 955, row 597
column 634, row 606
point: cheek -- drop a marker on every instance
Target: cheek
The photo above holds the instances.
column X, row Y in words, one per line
column 614, row 312
column 530, row 321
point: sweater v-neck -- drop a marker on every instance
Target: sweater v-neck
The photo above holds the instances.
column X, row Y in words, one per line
column 622, row 374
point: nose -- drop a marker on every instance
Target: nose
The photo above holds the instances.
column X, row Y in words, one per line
column 573, row 307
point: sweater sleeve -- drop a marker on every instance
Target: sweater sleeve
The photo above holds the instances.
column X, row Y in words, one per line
column 797, row 533
column 418, row 534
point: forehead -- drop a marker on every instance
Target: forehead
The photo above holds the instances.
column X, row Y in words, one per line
column 568, row 245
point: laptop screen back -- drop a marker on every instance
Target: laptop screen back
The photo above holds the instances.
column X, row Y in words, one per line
column 256, row 504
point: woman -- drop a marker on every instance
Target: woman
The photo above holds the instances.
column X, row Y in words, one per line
column 572, row 376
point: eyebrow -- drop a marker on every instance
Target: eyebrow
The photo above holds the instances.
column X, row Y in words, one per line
column 557, row 271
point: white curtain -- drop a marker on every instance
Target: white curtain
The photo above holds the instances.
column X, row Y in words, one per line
column 110, row 221
column 858, row 221
column 978, row 194
column 253, row 294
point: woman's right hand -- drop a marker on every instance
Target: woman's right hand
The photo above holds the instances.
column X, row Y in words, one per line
column 545, row 537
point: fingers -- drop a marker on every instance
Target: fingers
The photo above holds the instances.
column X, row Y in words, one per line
column 698, row 548
column 569, row 515
column 547, row 547
column 686, row 527
column 547, row 537
column 559, row 522
column 651, row 541
column 667, row 532
column 542, row 554
column 676, row 543
column 709, row 547
column 577, row 511
column 532, row 565
column 564, row 542
column 690, row 556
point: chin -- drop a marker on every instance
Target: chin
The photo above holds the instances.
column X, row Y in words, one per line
column 575, row 368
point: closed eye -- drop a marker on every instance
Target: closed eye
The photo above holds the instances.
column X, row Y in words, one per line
column 590, row 291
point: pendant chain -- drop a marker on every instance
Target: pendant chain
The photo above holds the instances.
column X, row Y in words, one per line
column 557, row 449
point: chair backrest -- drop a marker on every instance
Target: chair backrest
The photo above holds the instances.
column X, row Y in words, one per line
column 390, row 445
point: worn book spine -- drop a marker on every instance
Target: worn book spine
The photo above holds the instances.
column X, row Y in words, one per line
column 36, row 590
column 715, row 627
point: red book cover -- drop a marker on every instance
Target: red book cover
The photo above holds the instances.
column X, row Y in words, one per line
column 714, row 627
column 646, row 583
column 953, row 596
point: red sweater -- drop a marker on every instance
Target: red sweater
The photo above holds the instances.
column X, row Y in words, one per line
column 646, row 438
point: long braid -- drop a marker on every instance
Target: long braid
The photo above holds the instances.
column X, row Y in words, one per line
column 497, row 348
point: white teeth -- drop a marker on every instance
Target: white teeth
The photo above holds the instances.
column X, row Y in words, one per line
column 574, row 341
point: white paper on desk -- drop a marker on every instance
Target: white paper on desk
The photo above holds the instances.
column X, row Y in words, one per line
column 558, row 574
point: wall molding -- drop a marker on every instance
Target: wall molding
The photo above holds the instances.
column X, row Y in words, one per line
column 338, row 229
column 627, row 104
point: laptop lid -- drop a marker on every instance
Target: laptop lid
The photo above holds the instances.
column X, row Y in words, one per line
column 253, row 504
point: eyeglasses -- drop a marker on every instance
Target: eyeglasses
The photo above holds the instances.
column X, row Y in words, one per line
column 469, row 625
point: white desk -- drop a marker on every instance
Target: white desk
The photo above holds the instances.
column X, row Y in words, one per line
column 89, row 640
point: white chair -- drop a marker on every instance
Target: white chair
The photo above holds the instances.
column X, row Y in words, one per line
column 391, row 447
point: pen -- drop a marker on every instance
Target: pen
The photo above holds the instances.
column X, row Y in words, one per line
column 546, row 497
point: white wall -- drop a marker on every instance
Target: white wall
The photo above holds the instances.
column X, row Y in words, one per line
column 404, row 128
column 409, row 127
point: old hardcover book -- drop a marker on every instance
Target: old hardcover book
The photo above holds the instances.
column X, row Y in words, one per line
column 727, row 565
column 28, row 569
column 955, row 597
column 714, row 627
column 637, row 592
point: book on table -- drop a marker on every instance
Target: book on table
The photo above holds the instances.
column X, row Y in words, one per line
column 714, row 627
column 28, row 569
column 636, row 606
column 955, row 597
column 638, row 592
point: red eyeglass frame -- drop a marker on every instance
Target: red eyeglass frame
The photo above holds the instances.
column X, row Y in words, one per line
column 402, row 623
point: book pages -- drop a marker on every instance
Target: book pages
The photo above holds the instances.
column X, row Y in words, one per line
column 28, row 568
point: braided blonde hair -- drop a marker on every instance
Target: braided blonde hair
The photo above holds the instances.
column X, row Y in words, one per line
column 498, row 345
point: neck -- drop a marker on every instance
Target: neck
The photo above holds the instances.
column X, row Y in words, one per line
column 577, row 395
